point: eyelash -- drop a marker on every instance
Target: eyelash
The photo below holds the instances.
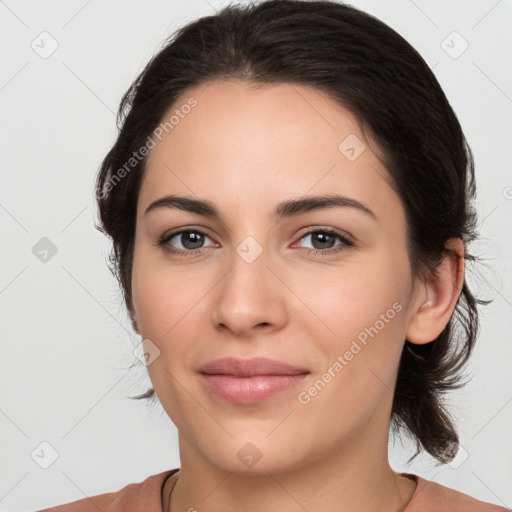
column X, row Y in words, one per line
column 164, row 240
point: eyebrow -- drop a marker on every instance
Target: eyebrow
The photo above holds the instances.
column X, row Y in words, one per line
column 288, row 208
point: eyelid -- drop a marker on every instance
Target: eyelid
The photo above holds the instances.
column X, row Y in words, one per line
column 182, row 229
column 163, row 239
column 314, row 228
column 307, row 230
column 346, row 239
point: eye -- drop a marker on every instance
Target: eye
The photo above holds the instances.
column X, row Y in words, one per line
column 325, row 238
column 190, row 240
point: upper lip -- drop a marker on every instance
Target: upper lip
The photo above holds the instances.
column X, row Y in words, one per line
column 250, row 367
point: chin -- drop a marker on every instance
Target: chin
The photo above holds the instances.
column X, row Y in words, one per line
column 246, row 455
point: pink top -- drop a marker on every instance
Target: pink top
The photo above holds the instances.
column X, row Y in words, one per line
column 147, row 497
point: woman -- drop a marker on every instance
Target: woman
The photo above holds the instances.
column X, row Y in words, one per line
column 290, row 204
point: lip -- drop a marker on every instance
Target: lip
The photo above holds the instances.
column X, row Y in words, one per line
column 250, row 367
column 250, row 381
column 249, row 390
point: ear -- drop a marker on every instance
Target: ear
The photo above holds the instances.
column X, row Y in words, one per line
column 433, row 308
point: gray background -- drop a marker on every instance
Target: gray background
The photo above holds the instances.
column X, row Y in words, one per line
column 66, row 342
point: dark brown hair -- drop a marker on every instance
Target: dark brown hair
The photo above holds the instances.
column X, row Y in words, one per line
column 370, row 69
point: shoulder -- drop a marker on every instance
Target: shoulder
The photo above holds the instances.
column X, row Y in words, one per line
column 433, row 497
column 145, row 494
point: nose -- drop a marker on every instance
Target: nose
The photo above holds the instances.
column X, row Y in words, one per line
column 250, row 297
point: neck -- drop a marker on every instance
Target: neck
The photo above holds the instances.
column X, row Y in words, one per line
column 343, row 480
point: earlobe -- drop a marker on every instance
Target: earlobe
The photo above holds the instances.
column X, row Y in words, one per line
column 442, row 291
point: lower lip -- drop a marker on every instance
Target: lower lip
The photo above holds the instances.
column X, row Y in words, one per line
column 250, row 390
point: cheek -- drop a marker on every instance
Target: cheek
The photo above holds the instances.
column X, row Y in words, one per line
column 152, row 296
column 352, row 297
column 358, row 310
column 169, row 302
column 163, row 303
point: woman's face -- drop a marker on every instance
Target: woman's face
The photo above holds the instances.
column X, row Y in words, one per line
column 253, row 285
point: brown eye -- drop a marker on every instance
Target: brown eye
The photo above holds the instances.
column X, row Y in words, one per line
column 324, row 241
column 189, row 241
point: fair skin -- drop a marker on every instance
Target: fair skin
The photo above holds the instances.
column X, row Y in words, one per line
column 246, row 150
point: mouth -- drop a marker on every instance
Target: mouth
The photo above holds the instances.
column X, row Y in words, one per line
column 250, row 381
column 249, row 390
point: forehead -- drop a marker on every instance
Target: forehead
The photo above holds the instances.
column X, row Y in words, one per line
column 240, row 143
column 272, row 117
